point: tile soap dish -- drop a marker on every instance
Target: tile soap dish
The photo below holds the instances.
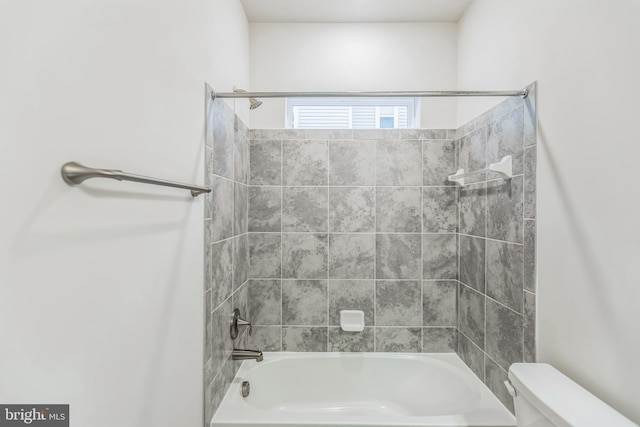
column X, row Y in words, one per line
column 352, row 320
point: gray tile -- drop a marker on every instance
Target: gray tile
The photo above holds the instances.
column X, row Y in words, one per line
column 423, row 133
column 504, row 274
column 398, row 303
column 241, row 127
column 472, row 356
column 352, row 256
column 220, row 123
column 264, row 255
column 208, row 372
column 530, row 255
column 241, row 156
column 208, row 199
column 265, row 297
column 495, row 379
column 439, row 210
column 473, row 209
column 278, row 134
column 266, row 338
column 472, row 262
column 376, row 133
column 208, row 166
column 504, row 335
column 529, row 327
column 399, row 162
column 221, row 208
column 329, row 133
column 305, row 209
column 439, row 340
column 208, row 328
column 352, row 209
column 351, row 295
column 505, row 137
column 222, row 285
column 210, row 403
column 439, row 303
column 208, row 263
column 352, row 162
column 398, row 256
column 240, row 260
column 304, row 256
column 471, row 314
column 301, row 338
column 221, row 343
column 265, row 160
column 221, row 384
column 530, row 123
column 240, row 209
column 240, row 300
column 472, row 154
column 399, row 340
column 504, row 208
column 439, row 161
column 304, row 162
column 439, row 256
column 304, row 302
column 530, row 182
column 340, row 340
column 398, row 209
column 265, row 205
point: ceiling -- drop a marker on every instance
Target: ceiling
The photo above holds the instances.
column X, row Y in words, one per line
column 355, row 10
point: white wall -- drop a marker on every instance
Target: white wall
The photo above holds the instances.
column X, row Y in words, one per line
column 101, row 285
column 231, row 52
column 341, row 57
column 583, row 53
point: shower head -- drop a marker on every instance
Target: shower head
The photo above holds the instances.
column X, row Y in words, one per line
column 254, row 103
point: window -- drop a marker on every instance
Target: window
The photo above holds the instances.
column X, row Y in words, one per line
column 352, row 113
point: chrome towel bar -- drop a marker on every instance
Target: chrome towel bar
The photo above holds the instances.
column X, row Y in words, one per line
column 74, row 173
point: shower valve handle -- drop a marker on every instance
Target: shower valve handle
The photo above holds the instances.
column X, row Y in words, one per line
column 236, row 323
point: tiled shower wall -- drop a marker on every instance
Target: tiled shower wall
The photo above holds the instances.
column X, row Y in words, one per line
column 496, row 294
column 303, row 224
column 226, row 246
column 353, row 219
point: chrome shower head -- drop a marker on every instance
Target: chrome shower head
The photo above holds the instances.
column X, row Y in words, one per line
column 254, row 103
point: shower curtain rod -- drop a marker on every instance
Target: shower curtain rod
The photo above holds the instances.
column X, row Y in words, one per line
column 426, row 94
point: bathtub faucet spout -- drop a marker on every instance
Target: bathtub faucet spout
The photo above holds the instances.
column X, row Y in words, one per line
column 240, row 354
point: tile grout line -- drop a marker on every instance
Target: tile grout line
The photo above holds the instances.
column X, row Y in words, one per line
column 282, row 245
column 486, row 231
column 524, row 231
column 375, row 246
column 422, row 219
column 328, row 242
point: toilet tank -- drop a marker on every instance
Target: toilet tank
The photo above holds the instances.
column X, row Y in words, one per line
column 544, row 397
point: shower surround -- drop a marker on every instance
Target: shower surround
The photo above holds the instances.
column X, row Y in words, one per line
column 353, row 219
column 311, row 222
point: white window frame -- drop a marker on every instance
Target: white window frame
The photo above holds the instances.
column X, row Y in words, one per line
column 412, row 104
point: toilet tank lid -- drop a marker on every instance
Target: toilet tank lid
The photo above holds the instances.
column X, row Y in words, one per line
column 562, row 400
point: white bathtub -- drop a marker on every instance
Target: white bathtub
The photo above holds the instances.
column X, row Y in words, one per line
column 360, row 389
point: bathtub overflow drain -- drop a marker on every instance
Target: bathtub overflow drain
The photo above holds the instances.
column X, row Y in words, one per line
column 246, row 388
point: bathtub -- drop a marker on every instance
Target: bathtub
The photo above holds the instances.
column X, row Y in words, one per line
column 360, row 389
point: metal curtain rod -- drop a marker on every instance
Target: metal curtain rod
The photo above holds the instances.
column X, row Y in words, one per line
column 74, row 173
column 427, row 94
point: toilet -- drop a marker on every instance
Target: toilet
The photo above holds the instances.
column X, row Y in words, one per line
column 544, row 397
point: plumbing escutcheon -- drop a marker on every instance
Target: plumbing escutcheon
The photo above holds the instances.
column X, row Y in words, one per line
column 236, row 322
